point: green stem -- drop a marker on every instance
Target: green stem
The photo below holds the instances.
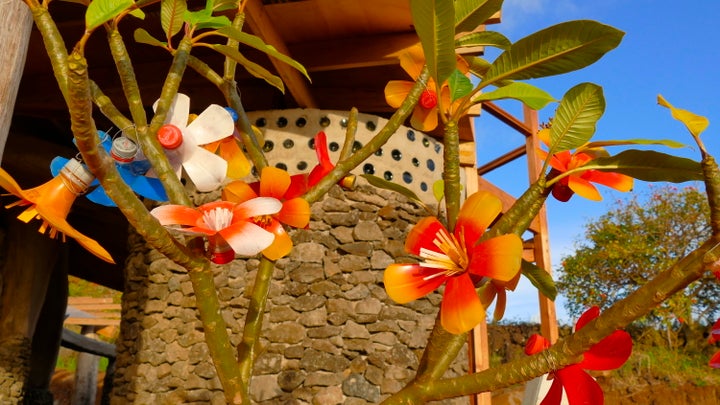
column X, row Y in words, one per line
column 712, row 188
column 451, row 172
column 109, row 110
column 247, row 349
column 127, row 79
column 350, row 132
column 54, row 45
column 343, row 167
column 150, row 145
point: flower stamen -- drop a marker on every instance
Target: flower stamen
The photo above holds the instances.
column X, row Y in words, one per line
column 218, row 218
column 452, row 257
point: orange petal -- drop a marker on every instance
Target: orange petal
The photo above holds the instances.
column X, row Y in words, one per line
column 544, row 136
column 619, row 182
column 9, row 184
column 91, row 245
column 412, row 60
column 396, row 91
column 238, row 191
column 238, row 164
column 177, row 215
column 476, row 215
column 212, row 146
column 281, row 245
column 584, row 188
column 274, row 182
column 424, row 119
column 423, row 234
column 498, row 258
column 405, row 282
column 295, row 213
column 461, row 309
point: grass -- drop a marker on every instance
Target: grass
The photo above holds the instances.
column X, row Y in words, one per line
column 669, row 366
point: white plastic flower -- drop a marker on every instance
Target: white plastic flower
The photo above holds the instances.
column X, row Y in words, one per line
column 182, row 142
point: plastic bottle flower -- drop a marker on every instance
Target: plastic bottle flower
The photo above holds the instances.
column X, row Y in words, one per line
column 581, row 183
column 295, row 211
column 425, row 114
column 231, row 228
column 51, row 203
column 182, row 142
column 457, row 261
column 131, row 168
column 580, row 388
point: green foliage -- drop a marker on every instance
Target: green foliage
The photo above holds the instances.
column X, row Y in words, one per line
column 483, row 38
column 469, row 14
column 540, row 278
column 648, row 165
column 696, row 124
column 434, row 22
column 101, row 11
column 575, row 118
column 460, row 85
column 562, row 48
column 532, row 96
column 627, row 246
column 171, row 16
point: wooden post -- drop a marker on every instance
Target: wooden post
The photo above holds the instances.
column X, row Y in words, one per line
column 15, row 26
column 86, row 372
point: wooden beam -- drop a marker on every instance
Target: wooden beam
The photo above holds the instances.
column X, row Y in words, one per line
column 501, row 161
column 509, row 119
column 260, row 23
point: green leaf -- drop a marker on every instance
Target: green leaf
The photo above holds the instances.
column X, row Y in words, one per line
column 102, row 11
column 171, row 16
column 460, row 85
column 434, row 24
column 252, row 67
column 384, row 184
column 138, row 13
column 541, row 279
column 439, row 190
column 479, row 67
column 204, row 19
column 143, row 37
column 648, row 165
column 574, row 122
column 619, row 142
column 532, row 96
column 483, row 38
column 224, row 5
column 696, row 124
column 562, row 48
column 257, row 43
column 469, row 14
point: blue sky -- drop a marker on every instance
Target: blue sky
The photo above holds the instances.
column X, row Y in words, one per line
column 669, row 48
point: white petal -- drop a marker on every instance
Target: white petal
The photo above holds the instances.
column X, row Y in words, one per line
column 211, row 125
column 260, row 206
column 179, row 111
column 206, row 169
column 250, row 241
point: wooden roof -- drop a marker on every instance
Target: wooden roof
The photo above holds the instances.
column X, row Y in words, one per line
column 349, row 48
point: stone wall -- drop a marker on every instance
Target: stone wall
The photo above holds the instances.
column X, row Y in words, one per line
column 331, row 335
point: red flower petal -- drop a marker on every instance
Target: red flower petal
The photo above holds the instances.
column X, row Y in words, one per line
column 405, row 282
column 579, row 386
column 461, row 309
column 587, row 316
column 554, row 394
column 423, row 234
column 715, row 361
column 536, row 344
column 610, row 353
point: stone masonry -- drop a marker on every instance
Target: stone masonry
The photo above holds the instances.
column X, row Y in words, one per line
column 330, row 336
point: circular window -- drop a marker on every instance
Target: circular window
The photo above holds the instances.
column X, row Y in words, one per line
column 334, row 147
column 324, row 121
column 423, row 186
column 288, row 143
column 396, row 154
column 407, row 177
column 300, row 122
column 370, row 125
column 368, row 168
column 411, row 135
column 282, row 166
column 268, row 146
column 260, row 122
column 431, row 165
column 415, row 162
column 302, row 165
column 388, row 175
column 282, row 122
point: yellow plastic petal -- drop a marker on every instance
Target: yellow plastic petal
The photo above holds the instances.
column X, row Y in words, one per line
column 424, row 119
column 238, row 191
column 412, row 60
column 584, row 188
column 238, row 164
column 274, row 182
column 396, row 91
column 295, row 213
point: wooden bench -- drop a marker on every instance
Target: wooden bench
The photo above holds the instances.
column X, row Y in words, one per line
column 95, row 316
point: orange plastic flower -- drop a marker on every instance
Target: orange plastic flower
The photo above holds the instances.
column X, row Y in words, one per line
column 425, row 114
column 231, row 228
column 51, row 203
column 580, row 388
column 295, row 211
column 581, row 183
column 457, row 261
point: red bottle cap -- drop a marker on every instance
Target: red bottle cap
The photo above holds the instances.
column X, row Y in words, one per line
column 169, row 136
